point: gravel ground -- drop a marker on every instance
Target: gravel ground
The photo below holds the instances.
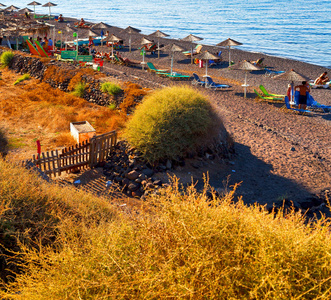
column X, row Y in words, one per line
column 279, row 154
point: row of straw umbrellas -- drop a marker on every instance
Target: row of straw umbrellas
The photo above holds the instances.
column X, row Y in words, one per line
column 205, row 56
column 12, row 8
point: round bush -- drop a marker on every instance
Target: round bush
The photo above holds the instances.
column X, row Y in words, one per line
column 6, row 58
column 171, row 122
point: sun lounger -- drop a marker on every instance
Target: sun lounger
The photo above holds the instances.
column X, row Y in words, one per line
column 272, row 73
column 288, row 106
column 196, row 51
column 315, row 105
column 41, row 50
column 268, row 98
column 173, row 75
column 152, row 68
column 197, row 81
column 32, row 49
column 316, row 86
column 210, row 84
column 265, row 92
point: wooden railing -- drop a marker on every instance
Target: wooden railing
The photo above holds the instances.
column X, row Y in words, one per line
column 88, row 153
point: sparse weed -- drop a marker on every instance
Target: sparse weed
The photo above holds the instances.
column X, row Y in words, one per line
column 22, row 78
column 110, row 88
column 79, row 89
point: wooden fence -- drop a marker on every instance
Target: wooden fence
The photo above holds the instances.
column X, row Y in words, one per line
column 88, row 153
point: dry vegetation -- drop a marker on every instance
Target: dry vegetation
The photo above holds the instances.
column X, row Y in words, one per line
column 32, row 110
column 180, row 245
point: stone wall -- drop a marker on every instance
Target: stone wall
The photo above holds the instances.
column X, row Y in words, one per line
column 36, row 68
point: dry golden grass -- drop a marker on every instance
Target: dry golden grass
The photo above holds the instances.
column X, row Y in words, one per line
column 34, row 110
column 181, row 245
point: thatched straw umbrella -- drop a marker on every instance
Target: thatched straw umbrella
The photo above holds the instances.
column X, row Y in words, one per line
column 34, row 4
column 113, row 38
column 49, row 5
column 173, row 48
column 229, row 43
column 101, row 26
column 206, row 56
column 292, row 76
column 158, row 34
column 191, row 38
column 246, row 66
column 130, row 30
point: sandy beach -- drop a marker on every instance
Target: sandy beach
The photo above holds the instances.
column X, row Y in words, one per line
column 279, row 154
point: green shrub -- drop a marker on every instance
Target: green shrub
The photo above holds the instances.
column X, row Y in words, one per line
column 6, row 58
column 170, row 122
column 79, row 89
column 22, row 78
column 110, row 88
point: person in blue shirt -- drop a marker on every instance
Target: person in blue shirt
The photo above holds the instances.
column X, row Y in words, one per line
column 50, row 42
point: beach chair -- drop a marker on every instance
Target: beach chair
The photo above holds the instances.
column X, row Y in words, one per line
column 268, row 98
column 272, row 73
column 152, row 68
column 258, row 62
column 196, row 80
column 178, row 76
column 288, row 106
column 173, row 75
column 314, row 104
column 210, row 84
column 316, row 86
column 126, row 61
column 266, row 93
column 196, row 51
column 32, row 49
column 41, row 50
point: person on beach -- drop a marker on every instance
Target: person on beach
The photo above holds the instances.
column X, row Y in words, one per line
column 50, row 43
column 304, row 89
column 60, row 18
column 322, row 79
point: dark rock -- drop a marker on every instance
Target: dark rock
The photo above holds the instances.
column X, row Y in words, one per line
column 133, row 175
column 168, row 164
column 125, row 182
column 148, row 172
column 133, row 186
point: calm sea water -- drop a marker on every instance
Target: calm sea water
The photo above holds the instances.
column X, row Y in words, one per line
column 295, row 29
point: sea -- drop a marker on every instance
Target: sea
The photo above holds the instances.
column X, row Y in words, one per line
column 295, row 29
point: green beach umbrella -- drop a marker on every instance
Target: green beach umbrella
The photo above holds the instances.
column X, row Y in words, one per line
column 192, row 38
column 158, row 34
